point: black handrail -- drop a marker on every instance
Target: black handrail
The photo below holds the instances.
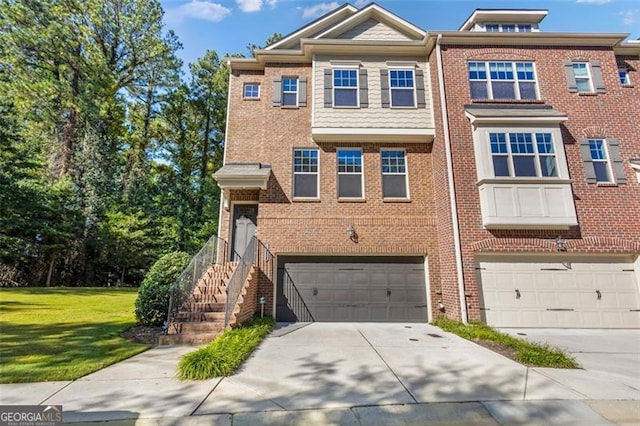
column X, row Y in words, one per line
column 238, row 278
column 295, row 302
column 214, row 251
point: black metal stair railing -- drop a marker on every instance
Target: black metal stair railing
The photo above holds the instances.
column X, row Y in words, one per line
column 214, row 251
column 295, row 302
column 239, row 277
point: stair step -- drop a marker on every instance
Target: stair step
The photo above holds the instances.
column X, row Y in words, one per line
column 199, row 316
column 178, row 327
column 207, row 298
column 205, row 306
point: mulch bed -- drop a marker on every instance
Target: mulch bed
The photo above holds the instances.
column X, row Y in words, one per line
column 143, row 334
column 505, row 351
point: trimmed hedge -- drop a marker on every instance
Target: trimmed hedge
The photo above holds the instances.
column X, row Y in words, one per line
column 153, row 295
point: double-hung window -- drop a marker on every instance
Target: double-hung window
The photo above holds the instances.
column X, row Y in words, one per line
column 600, row 160
column 350, row 183
column 305, row 173
column 523, row 154
column 289, row 91
column 394, row 173
column 402, row 85
column 345, row 87
column 502, row 80
column 582, row 77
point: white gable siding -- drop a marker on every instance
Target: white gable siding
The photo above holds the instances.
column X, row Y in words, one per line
column 374, row 116
column 373, row 30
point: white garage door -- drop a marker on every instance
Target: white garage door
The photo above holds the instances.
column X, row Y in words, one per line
column 594, row 294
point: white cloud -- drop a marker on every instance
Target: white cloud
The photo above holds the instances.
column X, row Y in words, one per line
column 249, row 5
column 196, row 9
column 360, row 3
column 271, row 3
column 629, row 16
column 318, row 9
column 593, row 1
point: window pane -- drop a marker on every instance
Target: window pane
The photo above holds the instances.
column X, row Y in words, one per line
column 479, row 90
column 524, row 165
column 521, row 143
column 503, row 90
column 597, row 149
column 290, row 99
column 500, row 70
column 498, row 143
column 508, row 28
column 394, row 186
column 524, row 28
column 477, row 71
column 305, row 161
column 624, row 77
column 345, row 78
column 402, row 98
column 349, row 161
column 545, row 144
column 500, row 165
column 580, row 69
column 305, row 185
column 350, row 185
column 583, row 85
column 345, row 97
column 401, row 78
column 525, row 71
column 393, row 162
column 602, row 171
column 548, row 166
column 251, row 90
column 289, row 84
column 492, row 28
column 527, row 91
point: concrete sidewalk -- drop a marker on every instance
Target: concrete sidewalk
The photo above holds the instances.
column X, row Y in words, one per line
column 343, row 374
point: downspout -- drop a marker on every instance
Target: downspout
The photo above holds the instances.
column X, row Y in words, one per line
column 224, row 153
column 452, row 192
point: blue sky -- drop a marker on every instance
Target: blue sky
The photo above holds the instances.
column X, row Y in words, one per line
column 227, row 26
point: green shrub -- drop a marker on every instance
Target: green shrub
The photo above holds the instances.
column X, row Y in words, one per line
column 226, row 353
column 153, row 294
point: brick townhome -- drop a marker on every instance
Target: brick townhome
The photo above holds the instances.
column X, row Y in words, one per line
column 385, row 198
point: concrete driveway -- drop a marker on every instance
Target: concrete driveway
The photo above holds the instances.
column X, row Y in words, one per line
column 609, row 354
column 329, row 365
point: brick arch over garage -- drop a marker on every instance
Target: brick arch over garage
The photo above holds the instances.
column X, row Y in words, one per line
column 610, row 245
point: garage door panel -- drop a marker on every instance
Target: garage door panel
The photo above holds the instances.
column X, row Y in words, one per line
column 359, row 290
column 557, row 294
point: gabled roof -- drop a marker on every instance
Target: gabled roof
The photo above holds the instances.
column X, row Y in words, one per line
column 377, row 13
column 514, row 16
column 292, row 40
column 343, row 19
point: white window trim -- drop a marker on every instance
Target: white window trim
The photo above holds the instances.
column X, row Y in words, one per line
column 589, row 77
column 610, row 173
column 515, row 80
column 357, row 88
column 338, row 173
column 484, row 157
column 244, row 92
column 406, row 174
column 391, row 88
column 297, row 92
column 294, row 173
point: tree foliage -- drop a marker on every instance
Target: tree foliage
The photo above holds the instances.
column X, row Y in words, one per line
column 106, row 147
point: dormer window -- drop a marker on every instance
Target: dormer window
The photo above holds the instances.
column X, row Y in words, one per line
column 508, row 28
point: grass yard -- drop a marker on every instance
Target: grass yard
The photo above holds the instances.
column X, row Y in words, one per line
column 63, row 333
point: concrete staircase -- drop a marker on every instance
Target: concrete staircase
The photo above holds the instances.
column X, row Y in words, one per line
column 201, row 317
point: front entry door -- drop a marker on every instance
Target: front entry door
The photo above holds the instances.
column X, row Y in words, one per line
column 245, row 220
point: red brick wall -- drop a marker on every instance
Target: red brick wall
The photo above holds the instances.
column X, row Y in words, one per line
column 260, row 132
column 608, row 216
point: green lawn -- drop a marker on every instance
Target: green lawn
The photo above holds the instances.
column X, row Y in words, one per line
column 63, row 333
